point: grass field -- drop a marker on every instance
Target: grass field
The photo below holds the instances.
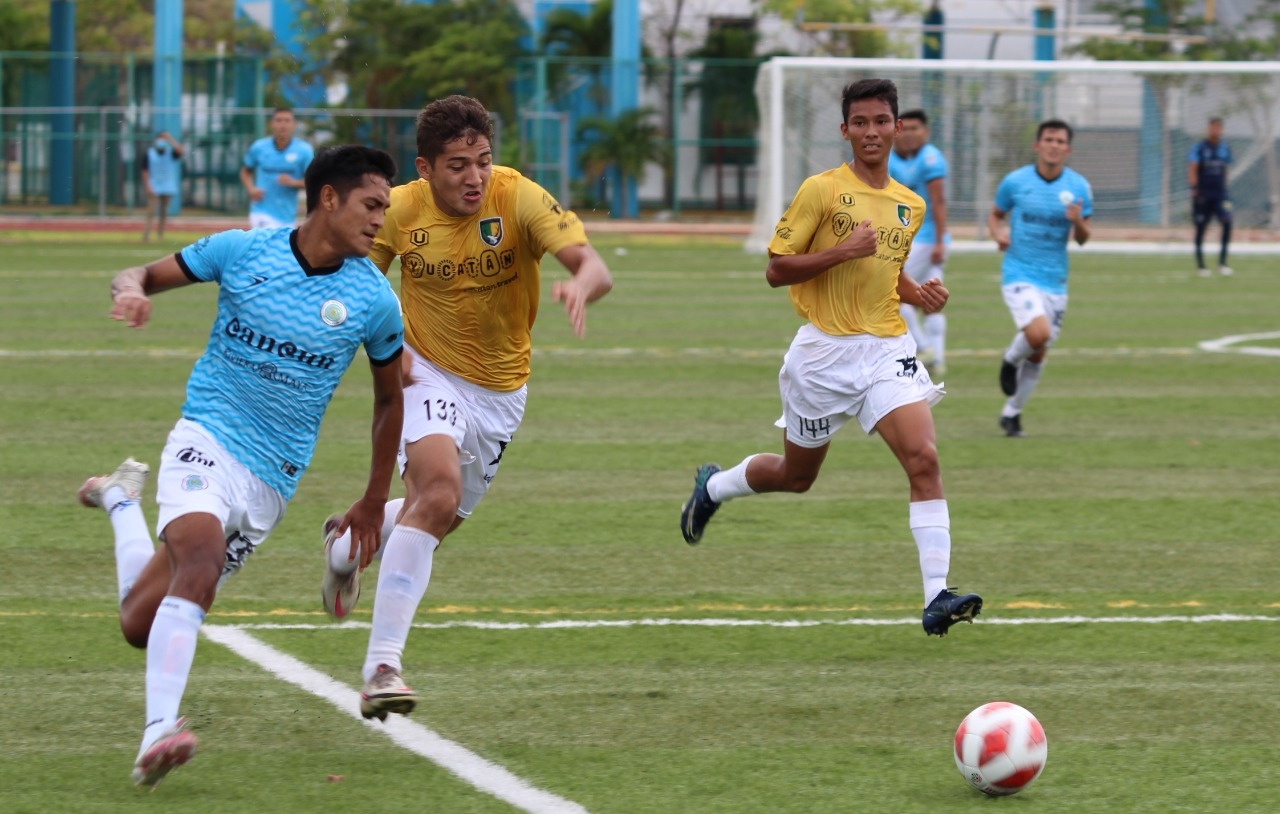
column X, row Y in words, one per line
column 1127, row 549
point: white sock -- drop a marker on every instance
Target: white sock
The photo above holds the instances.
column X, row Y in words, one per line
column 912, row 319
column 730, row 483
column 1028, row 378
column 1018, row 349
column 931, row 526
column 935, row 328
column 171, row 649
column 402, row 582
column 342, row 546
column 134, row 547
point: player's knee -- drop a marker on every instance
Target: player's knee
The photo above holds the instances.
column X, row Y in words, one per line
column 921, row 464
column 432, row 508
column 799, row 483
column 135, row 631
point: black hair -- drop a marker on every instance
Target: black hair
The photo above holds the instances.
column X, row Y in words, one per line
column 1054, row 124
column 916, row 114
column 344, row 168
column 449, row 119
column 882, row 89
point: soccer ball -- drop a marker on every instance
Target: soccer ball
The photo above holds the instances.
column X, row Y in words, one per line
column 1000, row 748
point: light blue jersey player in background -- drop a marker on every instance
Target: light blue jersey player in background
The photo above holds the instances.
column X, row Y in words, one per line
column 1046, row 204
column 273, row 173
column 917, row 164
column 294, row 307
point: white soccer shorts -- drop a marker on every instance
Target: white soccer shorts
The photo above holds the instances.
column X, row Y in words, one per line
column 1026, row 302
column 827, row 380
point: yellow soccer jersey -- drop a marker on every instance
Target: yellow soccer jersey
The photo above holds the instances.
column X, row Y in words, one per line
column 469, row 286
column 858, row 296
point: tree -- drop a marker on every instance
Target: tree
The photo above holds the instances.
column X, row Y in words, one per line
column 847, row 43
column 628, row 143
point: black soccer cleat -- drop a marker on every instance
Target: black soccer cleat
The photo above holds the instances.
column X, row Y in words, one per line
column 947, row 608
column 1012, row 425
column 699, row 508
column 1008, row 377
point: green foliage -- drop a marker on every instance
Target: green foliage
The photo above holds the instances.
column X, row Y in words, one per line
column 847, row 43
column 1141, row 16
column 628, row 142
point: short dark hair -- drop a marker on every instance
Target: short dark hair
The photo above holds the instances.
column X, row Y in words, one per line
column 281, row 109
column 344, row 167
column 449, row 119
column 1054, row 124
column 1215, row 120
column 917, row 114
column 881, row 89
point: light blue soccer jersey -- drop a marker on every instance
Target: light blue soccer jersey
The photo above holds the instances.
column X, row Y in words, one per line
column 915, row 173
column 163, row 168
column 267, row 162
column 284, row 335
column 1038, row 225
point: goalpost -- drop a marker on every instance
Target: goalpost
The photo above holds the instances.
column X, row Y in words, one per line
column 1134, row 124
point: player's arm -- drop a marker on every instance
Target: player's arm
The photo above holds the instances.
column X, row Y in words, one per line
column 364, row 518
column 998, row 228
column 131, row 289
column 937, row 189
column 247, row 181
column 930, row 297
column 790, row 269
column 1193, row 176
column 1080, row 224
column 589, row 282
column 177, row 145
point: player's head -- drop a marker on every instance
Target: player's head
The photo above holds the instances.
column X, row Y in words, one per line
column 914, row 132
column 1053, row 143
column 350, row 187
column 870, row 123
column 282, row 123
column 1215, row 130
column 455, row 153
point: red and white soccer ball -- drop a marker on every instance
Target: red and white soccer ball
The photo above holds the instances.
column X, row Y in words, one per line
column 1000, row 748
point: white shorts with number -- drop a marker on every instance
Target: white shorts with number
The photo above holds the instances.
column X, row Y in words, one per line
column 198, row 476
column 1026, row 302
column 920, row 266
column 480, row 421
column 827, row 380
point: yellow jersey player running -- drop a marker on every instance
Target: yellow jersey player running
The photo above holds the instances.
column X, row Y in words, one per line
column 470, row 237
column 840, row 248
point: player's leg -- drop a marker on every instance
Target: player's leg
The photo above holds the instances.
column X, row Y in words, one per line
column 1200, row 215
column 935, row 331
column 340, row 588
column 149, row 217
column 908, row 430
column 163, row 214
column 1224, row 217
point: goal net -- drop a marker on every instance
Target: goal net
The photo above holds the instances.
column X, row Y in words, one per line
column 1134, row 124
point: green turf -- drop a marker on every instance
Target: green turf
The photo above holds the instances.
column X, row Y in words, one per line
column 1147, row 487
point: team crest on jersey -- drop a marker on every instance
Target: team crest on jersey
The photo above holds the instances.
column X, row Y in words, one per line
column 1066, row 197
column 904, row 214
column 194, row 483
column 333, row 313
column 491, row 231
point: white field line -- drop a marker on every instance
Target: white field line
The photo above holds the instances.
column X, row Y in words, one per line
column 489, row 778
column 563, row 624
column 1232, row 344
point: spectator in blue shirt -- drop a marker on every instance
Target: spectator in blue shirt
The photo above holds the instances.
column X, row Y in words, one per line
column 1207, row 176
column 161, row 168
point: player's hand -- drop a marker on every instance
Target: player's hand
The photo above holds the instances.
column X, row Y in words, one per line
column 861, row 241
column 132, row 308
column 364, row 519
column 1001, row 237
column 256, row 194
column 938, row 254
column 575, row 304
column 933, row 296
column 1073, row 212
column 284, row 179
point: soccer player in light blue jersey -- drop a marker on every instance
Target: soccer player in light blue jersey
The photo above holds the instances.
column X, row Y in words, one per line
column 294, row 306
column 273, row 172
column 921, row 167
column 1039, row 208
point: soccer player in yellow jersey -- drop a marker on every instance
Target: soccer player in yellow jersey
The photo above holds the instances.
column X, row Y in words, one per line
column 840, row 248
column 470, row 237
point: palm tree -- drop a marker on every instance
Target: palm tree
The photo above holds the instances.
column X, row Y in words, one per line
column 627, row 143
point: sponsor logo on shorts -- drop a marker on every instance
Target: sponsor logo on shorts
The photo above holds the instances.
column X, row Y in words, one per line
column 194, row 483
column 191, row 455
column 909, row 367
column 333, row 313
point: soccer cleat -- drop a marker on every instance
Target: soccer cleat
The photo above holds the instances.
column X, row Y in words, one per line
column 947, row 608
column 699, row 508
column 174, row 747
column 1008, row 377
column 385, row 693
column 1012, row 425
column 1203, row 272
column 338, row 592
column 1225, row 271
column 129, row 476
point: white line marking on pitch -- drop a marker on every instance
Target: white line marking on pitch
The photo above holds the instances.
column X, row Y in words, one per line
column 1231, row 344
column 561, row 624
column 467, row 765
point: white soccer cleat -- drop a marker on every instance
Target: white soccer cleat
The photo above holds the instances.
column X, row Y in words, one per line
column 386, row 692
column 174, row 747
column 129, row 476
column 1225, row 271
column 338, row 591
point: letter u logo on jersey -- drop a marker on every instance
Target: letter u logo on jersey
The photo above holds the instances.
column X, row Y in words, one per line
column 491, row 231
